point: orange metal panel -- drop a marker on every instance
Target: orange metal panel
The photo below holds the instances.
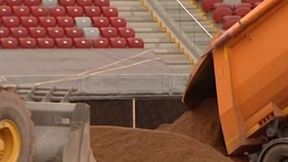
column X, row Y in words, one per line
column 251, row 71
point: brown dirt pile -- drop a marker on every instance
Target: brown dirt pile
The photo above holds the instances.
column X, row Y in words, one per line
column 202, row 123
column 112, row 144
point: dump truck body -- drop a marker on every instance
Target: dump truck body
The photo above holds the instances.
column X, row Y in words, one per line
column 249, row 62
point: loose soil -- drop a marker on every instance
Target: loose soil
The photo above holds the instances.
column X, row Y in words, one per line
column 116, row 144
column 202, row 123
column 194, row 137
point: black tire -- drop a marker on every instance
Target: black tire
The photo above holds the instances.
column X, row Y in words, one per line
column 14, row 109
column 278, row 153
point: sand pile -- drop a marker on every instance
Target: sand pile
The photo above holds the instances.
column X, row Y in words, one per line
column 202, row 123
column 111, row 144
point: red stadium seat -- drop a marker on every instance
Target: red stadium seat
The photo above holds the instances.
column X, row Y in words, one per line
column 208, row 5
column 27, row 43
column 45, row 42
column 84, row 2
column 19, row 32
column 242, row 11
column 65, row 21
column 109, row 32
column 252, row 2
column 118, row 22
column 39, row 11
column 57, row 11
column 92, row 11
column 32, row 2
column 75, row 11
column 5, row 11
column 56, row 32
column 67, row 2
column 37, row 32
column 126, row 32
column 110, row 11
column 82, row 43
column 10, row 21
column 135, row 43
column 4, row 32
column 13, row 2
column 64, row 42
column 229, row 21
column 101, row 43
column 9, row 43
column 21, row 10
column 64, row 24
column 240, row 5
column 256, row 4
column 101, row 3
column 47, row 21
column 223, row 5
column 219, row 13
column 100, row 22
column 74, row 32
column 118, row 42
column 29, row 21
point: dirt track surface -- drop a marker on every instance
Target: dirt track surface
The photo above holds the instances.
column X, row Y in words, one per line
column 116, row 144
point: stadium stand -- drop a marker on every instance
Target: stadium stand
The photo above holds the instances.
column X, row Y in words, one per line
column 187, row 24
column 226, row 13
column 64, row 24
column 139, row 18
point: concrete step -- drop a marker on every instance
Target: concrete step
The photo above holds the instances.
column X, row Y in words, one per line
column 139, row 18
column 135, row 13
column 129, row 8
column 152, row 35
column 146, row 29
column 174, row 59
column 160, row 45
column 142, row 22
column 166, row 50
column 180, row 69
column 156, row 40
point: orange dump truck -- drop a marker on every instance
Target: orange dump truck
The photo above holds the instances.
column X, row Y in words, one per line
column 247, row 69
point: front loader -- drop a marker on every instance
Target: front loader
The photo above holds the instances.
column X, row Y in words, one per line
column 44, row 131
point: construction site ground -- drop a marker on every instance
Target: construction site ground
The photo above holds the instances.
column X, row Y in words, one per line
column 194, row 137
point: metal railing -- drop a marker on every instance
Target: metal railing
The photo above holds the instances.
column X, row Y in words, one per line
column 190, row 14
column 189, row 22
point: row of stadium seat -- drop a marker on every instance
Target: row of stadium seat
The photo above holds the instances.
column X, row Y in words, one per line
column 72, row 11
column 73, row 32
column 27, row 21
column 228, row 14
column 99, row 3
column 12, row 43
column 64, row 24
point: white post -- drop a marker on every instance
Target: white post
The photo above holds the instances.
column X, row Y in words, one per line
column 134, row 112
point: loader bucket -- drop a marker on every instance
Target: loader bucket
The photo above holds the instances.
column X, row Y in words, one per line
column 201, row 84
column 62, row 132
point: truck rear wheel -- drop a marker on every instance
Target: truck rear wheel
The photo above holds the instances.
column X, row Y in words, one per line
column 16, row 129
column 277, row 153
